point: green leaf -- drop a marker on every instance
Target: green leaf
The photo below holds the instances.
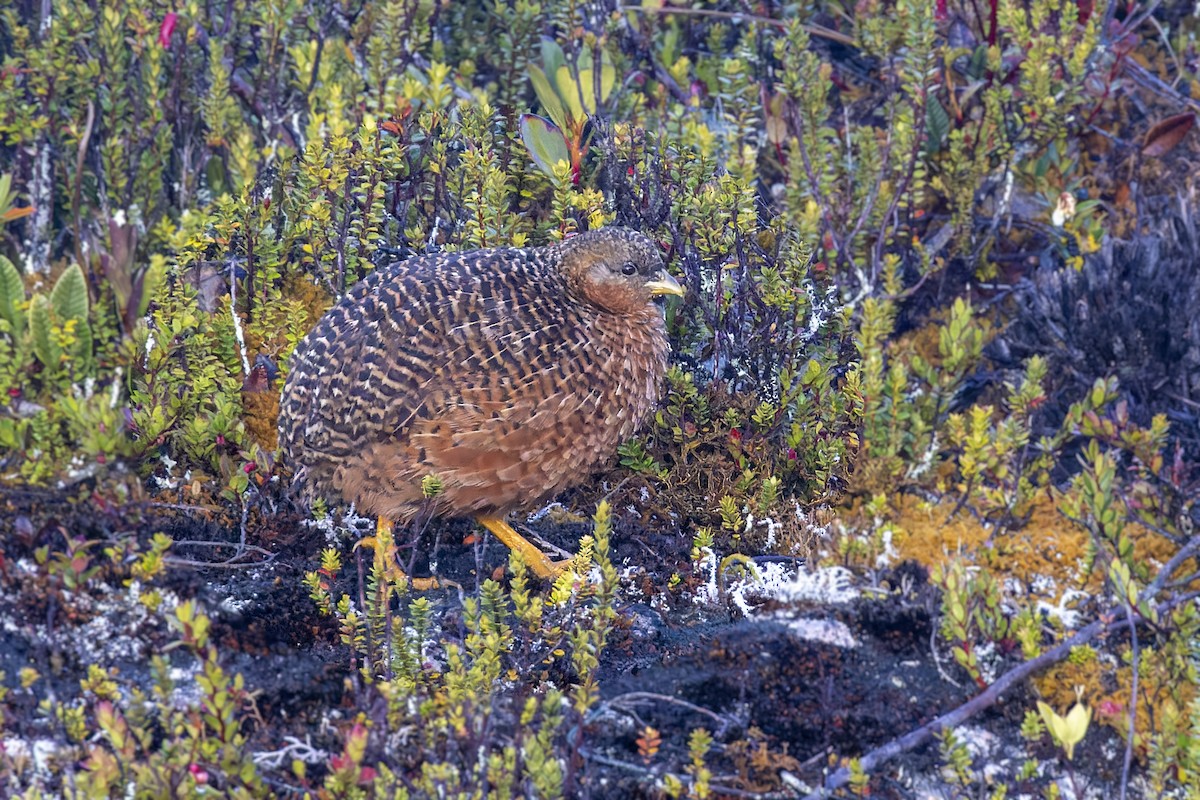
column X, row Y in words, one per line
column 564, row 81
column 69, row 301
column 44, row 346
column 152, row 281
column 937, row 125
column 12, row 293
column 552, row 56
column 547, row 96
column 545, row 142
column 670, row 46
column 70, row 296
column 587, row 90
column 608, row 76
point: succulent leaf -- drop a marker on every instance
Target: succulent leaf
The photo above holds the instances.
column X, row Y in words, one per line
column 545, row 142
column 547, row 96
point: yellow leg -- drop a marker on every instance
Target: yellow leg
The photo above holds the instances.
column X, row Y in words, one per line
column 383, row 532
column 538, row 561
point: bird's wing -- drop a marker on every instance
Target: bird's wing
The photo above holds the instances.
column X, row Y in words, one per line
column 475, row 354
column 360, row 369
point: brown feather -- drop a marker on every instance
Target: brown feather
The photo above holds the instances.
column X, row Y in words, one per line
column 509, row 374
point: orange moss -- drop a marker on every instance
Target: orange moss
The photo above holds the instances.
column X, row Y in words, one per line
column 261, row 416
column 311, row 297
column 301, row 292
column 1048, row 546
column 261, row 407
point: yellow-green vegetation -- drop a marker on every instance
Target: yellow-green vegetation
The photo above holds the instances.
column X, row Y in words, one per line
column 184, row 190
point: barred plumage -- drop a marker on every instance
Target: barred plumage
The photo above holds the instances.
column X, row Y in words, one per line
column 510, row 374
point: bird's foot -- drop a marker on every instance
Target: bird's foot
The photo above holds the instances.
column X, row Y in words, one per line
column 556, row 568
column 541, row 564
column 383, row 544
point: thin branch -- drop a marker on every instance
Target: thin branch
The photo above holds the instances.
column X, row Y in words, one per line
column 76, row 194
column 913, row 739
column 635, row 697
column 1133, row 700
column 813, row 30
column 1187, row 551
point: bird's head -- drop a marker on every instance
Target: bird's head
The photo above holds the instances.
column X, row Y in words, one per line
column 616, row 269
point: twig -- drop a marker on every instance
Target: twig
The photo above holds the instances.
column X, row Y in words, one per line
column 237, row 322
column 1133, row 700
column 937, row 659
column 236, row 561
column 797, row 123
column 919, row 109
column 1185, row 400
column 813, row 30
column 1144, row 78
column 913, row 739
column 80, row 157
column 188, row 508
column 1187, row 551
column 635, row 697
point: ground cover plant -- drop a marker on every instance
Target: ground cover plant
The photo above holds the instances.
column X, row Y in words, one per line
column 916, row 514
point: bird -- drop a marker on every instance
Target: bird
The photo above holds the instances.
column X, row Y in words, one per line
column 506, row 374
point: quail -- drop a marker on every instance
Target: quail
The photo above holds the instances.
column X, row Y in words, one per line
column 508, row 374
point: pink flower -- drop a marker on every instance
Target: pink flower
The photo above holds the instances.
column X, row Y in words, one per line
column 167, row 28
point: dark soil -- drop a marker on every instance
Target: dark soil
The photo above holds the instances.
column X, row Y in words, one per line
column 776, row 700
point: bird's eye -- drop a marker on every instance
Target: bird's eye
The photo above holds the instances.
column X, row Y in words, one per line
column 629, row 268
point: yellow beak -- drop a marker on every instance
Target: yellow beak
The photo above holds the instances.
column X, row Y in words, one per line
column 665, row 285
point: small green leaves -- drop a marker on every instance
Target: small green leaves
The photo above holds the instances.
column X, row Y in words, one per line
column 634, row 456
column 731, row 517
column 431, row 486
column 699, row 743
column 937, row 126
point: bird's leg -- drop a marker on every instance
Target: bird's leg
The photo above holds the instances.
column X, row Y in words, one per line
column 539, row 562
column 383, row 533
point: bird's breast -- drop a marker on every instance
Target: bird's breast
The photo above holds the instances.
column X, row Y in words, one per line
column 635, row 356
